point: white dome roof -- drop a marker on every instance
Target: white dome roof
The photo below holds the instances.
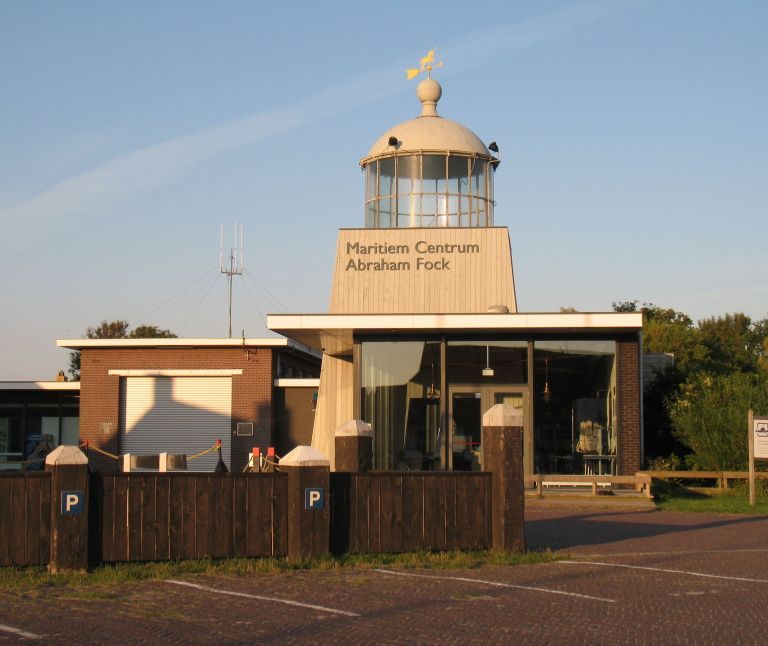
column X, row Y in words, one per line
column 429, row 131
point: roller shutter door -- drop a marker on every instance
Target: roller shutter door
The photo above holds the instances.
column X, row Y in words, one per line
column 176, row 415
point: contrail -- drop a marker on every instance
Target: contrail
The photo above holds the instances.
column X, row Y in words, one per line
column 142, row 170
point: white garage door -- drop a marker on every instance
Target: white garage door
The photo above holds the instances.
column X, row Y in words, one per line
column 176, row 415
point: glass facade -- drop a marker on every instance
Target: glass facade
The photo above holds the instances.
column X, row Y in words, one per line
column 28, row 418
column 400, row 383
column 575, row 430
column 426, row 413
column 429, row 190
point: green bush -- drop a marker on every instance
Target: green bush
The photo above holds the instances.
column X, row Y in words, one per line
column 709, row 416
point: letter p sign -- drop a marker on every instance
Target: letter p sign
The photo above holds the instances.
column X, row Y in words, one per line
column 72, row 502
column 314, row 498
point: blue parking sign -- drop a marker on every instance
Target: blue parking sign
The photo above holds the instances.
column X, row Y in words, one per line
column 72, row 502
column 314, row 498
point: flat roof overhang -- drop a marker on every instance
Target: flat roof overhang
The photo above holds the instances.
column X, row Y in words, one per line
column 40, row 385
column 177, row 343
column 334, row 333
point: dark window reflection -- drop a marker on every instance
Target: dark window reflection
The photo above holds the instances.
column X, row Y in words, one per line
column 575, row 407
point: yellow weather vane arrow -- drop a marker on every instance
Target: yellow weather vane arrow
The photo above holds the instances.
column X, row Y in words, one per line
column 427, row 63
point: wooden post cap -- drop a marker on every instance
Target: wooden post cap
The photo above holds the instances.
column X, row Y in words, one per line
column 354, row 428
column 62, row 455
column 305, row 456
column 503, row 415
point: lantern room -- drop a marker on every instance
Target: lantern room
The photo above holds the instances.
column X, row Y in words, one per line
column 429, row 172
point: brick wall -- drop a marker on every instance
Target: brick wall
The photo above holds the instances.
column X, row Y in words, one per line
column 628, row 402
column 100, row 392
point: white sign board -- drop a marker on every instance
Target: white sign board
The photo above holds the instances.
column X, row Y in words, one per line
column 760, row 436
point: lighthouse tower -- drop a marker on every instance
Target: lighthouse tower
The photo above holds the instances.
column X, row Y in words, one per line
column 429, row 245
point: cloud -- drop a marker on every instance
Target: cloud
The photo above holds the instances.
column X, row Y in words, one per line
column 145, row 169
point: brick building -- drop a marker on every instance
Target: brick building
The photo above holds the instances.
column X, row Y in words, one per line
column 147, row 396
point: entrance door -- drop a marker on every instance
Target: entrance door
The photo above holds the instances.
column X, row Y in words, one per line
column 466, row 408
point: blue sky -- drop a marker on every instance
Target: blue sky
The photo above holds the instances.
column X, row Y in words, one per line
column 633, row 137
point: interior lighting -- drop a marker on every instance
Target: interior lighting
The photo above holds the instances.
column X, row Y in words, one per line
column 488, row 371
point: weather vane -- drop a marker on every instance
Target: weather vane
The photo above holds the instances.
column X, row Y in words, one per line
column 427, row 63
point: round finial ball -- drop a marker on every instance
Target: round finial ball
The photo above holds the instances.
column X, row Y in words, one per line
column 429, row 91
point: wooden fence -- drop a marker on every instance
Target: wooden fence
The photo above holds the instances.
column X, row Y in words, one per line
column 640, row 481
column 161, row 516
column 25, row 518
column 401, row 512
column 722, row 477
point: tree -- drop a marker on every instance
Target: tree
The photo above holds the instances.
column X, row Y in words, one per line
column 625, row 306
column 762, row 362
column 730, row 343
column 709, row 417
column 117, row 329
column 758, row 341
column 151, row 332
column 667, row 330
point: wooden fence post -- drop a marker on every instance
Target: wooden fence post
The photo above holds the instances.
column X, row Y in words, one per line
column 354, row 447
column 309, row 516
column 68, row 467
column 503, row 457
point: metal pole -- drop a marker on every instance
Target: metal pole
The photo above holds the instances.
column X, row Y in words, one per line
column 750, row 424
column 231, row 272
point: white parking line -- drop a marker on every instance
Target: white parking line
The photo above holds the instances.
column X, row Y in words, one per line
column 498, row 585
column 658, row 569
column 287, row 602
column 668, row 553
column 19, row 632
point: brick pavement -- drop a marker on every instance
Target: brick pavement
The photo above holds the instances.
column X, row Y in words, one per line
column 666, row 602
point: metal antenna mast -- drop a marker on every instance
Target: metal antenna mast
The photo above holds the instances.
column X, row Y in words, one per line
column 234, row 264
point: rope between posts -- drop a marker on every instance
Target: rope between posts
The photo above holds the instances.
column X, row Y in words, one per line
column 216, row 445
column 89, row 447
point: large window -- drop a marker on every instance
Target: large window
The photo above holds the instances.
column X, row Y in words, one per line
column 575, row 407
column 31, row 422
column 401, row 401
column 11, row 433
column 429, row 191
column 427, row 414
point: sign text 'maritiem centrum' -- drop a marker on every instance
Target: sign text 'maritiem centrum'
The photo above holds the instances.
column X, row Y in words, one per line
column 429, row 256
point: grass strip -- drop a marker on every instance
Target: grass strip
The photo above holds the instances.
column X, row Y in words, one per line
column 735, row 500
column 38, row 578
